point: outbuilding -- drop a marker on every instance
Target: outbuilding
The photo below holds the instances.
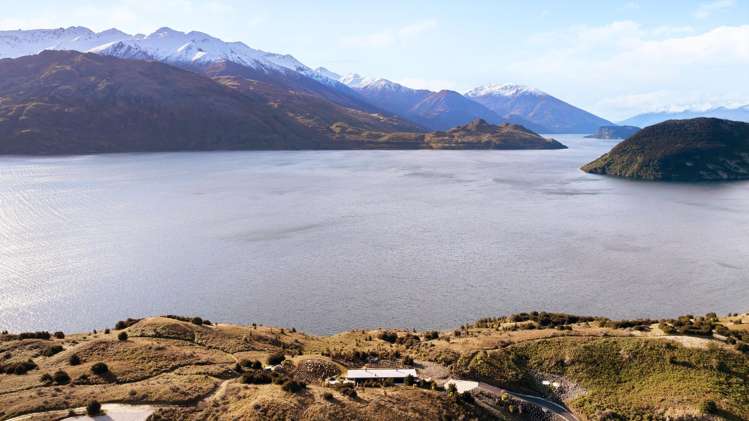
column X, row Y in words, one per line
column 397, row 375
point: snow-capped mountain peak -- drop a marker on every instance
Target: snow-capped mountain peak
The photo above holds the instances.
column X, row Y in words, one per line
column 355, row 80
column 165, row 44
column 327, row 73
column 506, row 89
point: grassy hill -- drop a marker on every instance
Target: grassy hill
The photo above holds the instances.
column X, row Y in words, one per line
column 191, row 369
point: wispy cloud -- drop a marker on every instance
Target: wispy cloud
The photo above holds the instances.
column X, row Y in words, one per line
column 390, row 36
column 706, row 9
column 672, row 65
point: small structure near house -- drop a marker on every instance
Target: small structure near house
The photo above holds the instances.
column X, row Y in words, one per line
column 397, row 375
column 462, row 385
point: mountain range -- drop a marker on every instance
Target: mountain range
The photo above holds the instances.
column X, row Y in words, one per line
column 648, row 119
column 497, row 104
column 280, row 90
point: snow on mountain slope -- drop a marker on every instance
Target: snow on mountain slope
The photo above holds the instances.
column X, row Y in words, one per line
column 538, row 107
column 355, row 80
column 20, row 43
column 165, row 44
column 506, row 89
column 327, row 73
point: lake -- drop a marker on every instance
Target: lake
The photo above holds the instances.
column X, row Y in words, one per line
column 334, row 240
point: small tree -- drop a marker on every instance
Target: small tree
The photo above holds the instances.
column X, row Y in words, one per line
column 93, row 408
column 61, row 377
column 197, row 321
column 293, row 386
column 388, row 336
column 409, row 380
column 59, row 335
column 99, row 368
column 709, row 407
column 74, row 360
column 467, row 397
column 276, row 358
column 452, row 390
column 122, row 336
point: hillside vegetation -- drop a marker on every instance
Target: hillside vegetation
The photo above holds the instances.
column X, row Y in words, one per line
column 188, row 368
column 700, row 149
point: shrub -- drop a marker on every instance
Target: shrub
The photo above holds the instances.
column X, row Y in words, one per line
column 93, row 408
column 328, row 396
column 196, row 321
column 409, row 380
column 59, row 335
column 61, row 377
column 122, row 324
column 293, row 386
column 34, row 335
column 256, row 377
column 432, row 335
column 276, row 358
column 349, row 392
column 46, row 378
column 74, row 360
column 408, row 360
column 452, row 389
column 742, row 347
column 19, row 368
column 467, row 397
column 207, row 322
column 388, row 336
column 709, row 407
column 52, row 350
column 122, row 336
column 99, row 368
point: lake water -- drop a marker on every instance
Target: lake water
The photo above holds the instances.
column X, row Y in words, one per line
column 327, row 241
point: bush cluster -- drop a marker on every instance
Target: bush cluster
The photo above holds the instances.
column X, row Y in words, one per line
column 293, row 386
column 19, row 368
column 256, row 376
column 276, row 358
column 388, row 336
column 52, row 350
column 191, row 319
column 123, row 324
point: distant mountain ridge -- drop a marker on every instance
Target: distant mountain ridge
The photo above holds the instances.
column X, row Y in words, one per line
column 435, row 110
column 66, row 102
column 211, row 56
column 193, row 50
column 536, row 106
column 648, row 119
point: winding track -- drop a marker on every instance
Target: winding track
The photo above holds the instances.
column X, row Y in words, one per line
column 547, row 404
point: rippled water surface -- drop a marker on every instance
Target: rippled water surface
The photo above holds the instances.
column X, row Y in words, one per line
column 326, row 241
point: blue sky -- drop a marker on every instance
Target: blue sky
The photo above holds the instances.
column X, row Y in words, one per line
column 615, row 58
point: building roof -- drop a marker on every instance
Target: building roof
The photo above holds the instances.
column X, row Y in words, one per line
column 463, row 385
column 381, row 373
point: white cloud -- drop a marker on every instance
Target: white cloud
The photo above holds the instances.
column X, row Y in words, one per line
column 706, row 9
column 390, row 36
column 613, row 61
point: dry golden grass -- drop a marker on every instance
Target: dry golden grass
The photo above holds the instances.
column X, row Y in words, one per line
column 167, row 361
